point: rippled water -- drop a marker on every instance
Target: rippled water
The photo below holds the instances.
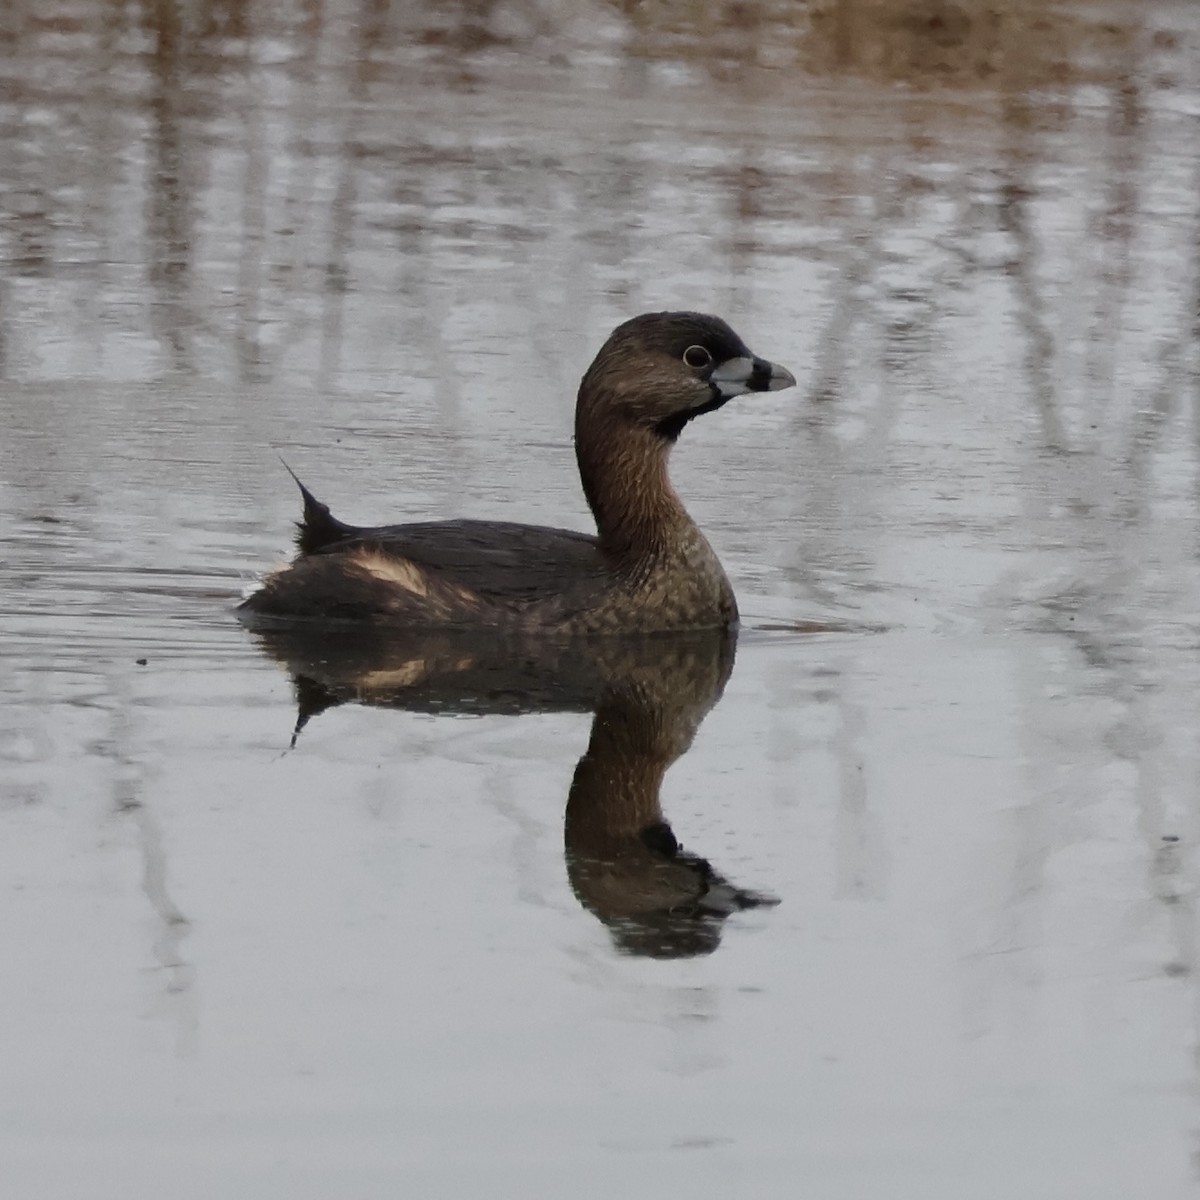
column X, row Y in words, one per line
column 957, row 742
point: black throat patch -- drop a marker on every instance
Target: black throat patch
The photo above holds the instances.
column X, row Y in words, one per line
column 671, row 427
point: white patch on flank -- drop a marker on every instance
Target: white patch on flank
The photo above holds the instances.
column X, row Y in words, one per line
column 397, row 571
column 411, row 673
column 415, row 671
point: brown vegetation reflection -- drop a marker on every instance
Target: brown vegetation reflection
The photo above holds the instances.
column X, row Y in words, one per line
column 648, row 695
column 246, row 191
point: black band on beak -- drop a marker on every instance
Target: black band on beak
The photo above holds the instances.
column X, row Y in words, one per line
column 736, row 376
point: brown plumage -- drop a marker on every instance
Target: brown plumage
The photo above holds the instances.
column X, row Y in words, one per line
column 648, row 569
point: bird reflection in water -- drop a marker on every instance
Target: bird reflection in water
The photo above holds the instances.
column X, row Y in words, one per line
column 648, row 696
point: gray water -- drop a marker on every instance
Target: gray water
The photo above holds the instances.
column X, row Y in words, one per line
column 959, row 741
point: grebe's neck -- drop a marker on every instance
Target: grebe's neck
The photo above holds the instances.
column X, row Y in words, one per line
column 639, row 518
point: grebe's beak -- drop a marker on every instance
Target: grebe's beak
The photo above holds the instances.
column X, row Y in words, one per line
column 737, row 376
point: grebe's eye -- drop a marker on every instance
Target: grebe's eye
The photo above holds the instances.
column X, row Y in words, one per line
column 697, row 358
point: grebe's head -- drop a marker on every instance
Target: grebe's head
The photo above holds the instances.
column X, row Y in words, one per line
column 660, row 370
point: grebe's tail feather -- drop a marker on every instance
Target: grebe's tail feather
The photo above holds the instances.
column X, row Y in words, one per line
column 318, row 527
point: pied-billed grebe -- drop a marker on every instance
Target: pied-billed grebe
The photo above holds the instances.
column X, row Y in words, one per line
column 649, row 568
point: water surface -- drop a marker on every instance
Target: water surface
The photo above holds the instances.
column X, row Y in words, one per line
column 385, row 246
